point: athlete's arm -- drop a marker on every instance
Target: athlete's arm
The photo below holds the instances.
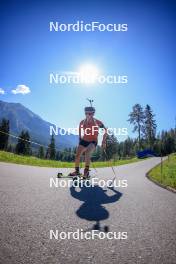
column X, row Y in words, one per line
column 80, row 126
column 103, row 144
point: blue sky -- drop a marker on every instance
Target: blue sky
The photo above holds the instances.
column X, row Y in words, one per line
column 146, row 53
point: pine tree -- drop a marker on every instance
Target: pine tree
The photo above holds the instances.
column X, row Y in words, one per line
column 23, row 145
column 41, row 153
column 10, row 148
column 136, row 117
column 4, row 131
column 168, row 142
column 128, row 148
column 51, row 151
column 111, row 148
column 149, row 126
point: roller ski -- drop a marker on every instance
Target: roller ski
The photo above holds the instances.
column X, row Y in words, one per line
column 76, row 175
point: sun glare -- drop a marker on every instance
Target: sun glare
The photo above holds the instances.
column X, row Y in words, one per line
column 88, row 73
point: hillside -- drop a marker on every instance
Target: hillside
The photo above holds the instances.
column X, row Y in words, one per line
column 21, row 118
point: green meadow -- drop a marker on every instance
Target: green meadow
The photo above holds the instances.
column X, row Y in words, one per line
column 34, row 161
column 165, row 174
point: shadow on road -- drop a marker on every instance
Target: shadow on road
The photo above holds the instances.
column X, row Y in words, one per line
column 93, row 199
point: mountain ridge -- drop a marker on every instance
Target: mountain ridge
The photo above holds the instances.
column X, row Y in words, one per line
column 22, row 118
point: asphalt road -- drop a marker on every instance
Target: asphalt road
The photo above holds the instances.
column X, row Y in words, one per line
column 30, row 208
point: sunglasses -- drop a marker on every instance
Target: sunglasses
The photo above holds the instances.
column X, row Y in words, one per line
column 87, row 113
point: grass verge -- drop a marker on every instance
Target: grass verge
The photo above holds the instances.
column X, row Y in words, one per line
column 165, row 174
column 30, row 160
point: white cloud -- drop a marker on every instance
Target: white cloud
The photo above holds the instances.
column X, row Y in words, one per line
column 2, row 91
column 21, row 89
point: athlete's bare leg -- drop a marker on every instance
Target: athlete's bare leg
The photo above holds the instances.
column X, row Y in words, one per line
column 80, row 150
column 88, row 154
column 88, row 151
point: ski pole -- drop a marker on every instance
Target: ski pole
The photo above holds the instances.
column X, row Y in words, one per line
column 111, row 167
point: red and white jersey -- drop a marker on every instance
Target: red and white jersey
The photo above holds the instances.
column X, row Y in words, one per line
column 88, row 130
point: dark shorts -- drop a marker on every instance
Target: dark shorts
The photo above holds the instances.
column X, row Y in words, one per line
column 85, row 143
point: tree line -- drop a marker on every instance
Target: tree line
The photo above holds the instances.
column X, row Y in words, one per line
column 142, row 120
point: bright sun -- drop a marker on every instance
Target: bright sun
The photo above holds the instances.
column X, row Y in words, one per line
column 88, row 73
